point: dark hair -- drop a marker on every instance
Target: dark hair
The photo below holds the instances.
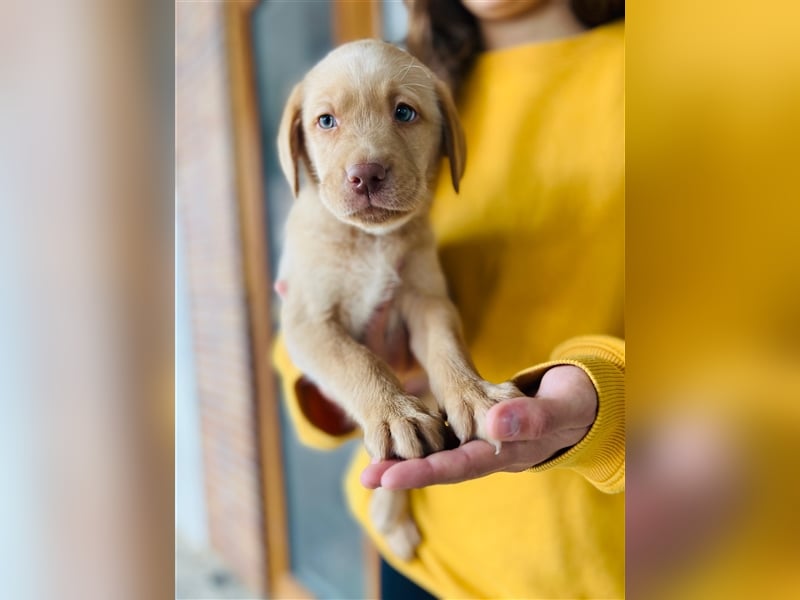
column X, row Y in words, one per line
column 445, row 36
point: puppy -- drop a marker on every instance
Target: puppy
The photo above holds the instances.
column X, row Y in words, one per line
column 369, row 125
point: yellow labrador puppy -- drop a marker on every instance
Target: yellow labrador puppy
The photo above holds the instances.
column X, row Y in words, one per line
column 369, row 125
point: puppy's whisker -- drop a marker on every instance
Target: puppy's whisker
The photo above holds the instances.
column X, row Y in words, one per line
column 417, row 85
column 413, row 66
column 405, row 72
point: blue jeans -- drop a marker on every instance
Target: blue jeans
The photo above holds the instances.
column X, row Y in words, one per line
column 395, row 586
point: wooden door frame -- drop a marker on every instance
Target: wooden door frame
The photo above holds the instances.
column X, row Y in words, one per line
column 351, row 20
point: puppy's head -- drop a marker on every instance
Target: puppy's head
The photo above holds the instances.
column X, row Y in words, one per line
column 370, row 123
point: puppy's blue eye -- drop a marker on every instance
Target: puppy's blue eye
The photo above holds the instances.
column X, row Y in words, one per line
column 327, row 122
column 404, row 113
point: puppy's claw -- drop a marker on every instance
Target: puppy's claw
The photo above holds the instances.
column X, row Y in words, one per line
column 497, row 445
column 405, row 430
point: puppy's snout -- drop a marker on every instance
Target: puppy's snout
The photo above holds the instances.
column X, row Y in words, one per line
column 366, row 178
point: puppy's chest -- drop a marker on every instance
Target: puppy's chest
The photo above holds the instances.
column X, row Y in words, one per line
column 369, row 281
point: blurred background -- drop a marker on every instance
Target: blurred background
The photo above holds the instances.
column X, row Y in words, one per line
column 256, row 512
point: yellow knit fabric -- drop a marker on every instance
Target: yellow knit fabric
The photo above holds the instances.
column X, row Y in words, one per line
column 533, row 249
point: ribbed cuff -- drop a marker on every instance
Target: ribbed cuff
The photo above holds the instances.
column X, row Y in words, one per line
column 600, row 455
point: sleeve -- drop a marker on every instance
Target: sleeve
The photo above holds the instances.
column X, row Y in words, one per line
column 600, row 455
column 318, row 421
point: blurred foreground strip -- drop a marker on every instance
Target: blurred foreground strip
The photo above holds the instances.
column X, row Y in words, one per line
column 713, row 300
column 85, row 300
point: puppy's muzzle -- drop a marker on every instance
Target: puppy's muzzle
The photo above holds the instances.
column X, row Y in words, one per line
column 366, row 178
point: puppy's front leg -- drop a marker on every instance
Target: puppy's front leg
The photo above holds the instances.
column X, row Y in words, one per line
column 435, row 337
column 395, row 424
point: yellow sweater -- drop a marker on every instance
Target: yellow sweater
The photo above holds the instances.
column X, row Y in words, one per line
column 533, row 249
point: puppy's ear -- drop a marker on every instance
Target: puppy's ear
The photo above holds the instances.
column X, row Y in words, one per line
column 454, row 144
column 291, row 147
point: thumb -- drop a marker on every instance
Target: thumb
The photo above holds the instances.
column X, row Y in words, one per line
column 566, row 399
column 520, row 419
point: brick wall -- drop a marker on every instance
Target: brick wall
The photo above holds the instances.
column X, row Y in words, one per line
column 207, row 209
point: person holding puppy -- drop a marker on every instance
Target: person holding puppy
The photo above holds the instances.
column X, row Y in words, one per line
column 533, row 250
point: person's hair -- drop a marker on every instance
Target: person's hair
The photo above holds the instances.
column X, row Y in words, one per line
column 445, row 36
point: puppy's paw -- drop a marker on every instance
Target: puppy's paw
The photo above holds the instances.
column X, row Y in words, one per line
column 467, row 407
column 390, row 513
column 403, row 428
column 387, row 508
column 403, row 539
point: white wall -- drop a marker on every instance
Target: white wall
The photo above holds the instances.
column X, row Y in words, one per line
column 190, row 509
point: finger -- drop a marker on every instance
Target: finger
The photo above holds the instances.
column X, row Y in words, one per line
column 474, row 459
column 568, row 382
column 371, row 475
column 521, row 419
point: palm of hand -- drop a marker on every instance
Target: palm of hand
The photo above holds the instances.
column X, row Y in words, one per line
column 532, row 430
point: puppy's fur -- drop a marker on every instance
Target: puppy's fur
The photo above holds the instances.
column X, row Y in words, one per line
column 357, row 237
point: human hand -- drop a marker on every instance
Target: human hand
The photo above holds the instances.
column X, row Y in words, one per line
column 532, row 430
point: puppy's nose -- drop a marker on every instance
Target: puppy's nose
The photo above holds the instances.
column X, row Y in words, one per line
column 366, row 178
